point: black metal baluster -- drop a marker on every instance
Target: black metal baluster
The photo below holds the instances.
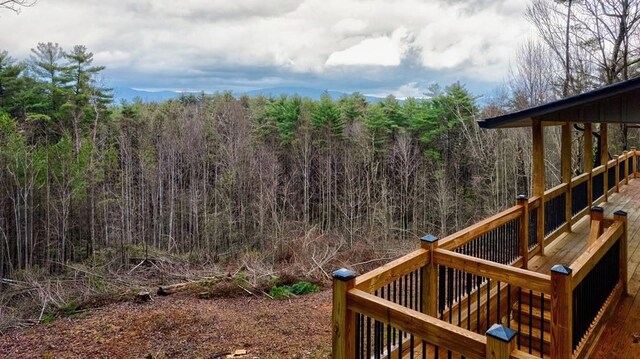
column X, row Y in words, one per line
column 441, row 290
column 450, row 292
column 509, row 307
column 498, row 306
column 488, row 302
column 368, row 337
column 519, row 315
column 530, row 320
column 478, row 286
column 469, row 279
column 411, row 344
column 542, row 324
column 395, row 300
column 358, row 336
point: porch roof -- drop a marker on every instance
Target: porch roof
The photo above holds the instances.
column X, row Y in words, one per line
column 617, row 103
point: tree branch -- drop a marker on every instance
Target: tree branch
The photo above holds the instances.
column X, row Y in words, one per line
column 16, row 5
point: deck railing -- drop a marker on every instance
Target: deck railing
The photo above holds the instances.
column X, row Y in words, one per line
column 455, row 296
column 586, row 291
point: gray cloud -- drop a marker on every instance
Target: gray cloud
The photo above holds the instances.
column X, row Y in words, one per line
column 372, row 45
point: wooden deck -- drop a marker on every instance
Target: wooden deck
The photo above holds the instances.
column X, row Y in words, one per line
column 617, row 338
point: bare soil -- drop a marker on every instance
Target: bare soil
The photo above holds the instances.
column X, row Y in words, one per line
column 183, row 326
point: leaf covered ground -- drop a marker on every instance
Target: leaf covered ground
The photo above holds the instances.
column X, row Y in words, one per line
column 183, row 326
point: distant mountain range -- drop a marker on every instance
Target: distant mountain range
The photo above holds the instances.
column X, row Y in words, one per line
column 130, row 94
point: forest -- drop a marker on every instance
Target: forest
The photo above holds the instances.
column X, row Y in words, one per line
column 284, row 181
column 211, row 176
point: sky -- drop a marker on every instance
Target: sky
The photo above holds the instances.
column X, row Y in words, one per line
column 376, row 47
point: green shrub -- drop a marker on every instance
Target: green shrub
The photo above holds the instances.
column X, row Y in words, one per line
column 286, row 291
column 301, row 288
column 280, row 292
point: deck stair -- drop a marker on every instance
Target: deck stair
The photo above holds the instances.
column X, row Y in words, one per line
column 533, row 322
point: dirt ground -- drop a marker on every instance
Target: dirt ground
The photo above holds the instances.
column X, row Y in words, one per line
column 182, row 326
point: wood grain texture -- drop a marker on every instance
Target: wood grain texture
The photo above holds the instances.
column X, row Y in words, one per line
column 392, row 271
column 515, row 276
column 425, row 327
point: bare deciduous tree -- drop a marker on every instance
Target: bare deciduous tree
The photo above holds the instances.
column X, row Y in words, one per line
column 16, row 5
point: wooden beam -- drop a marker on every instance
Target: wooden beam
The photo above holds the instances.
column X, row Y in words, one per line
column 474, row 231
column 500, row 342
column 604, row 158
column 634, row 154
column 597, row 225
column 565, row 162
column 504, row 273
column 429, row 278
column 617, row 173
column 626, row 167
column 621, row 216
column 555, row 191
column 425, row 327
column 539, row 177
column 561, row 312
column 587, row 164
column 393, row 270
column 524, row 230
column 343, row 318
column 592, row 255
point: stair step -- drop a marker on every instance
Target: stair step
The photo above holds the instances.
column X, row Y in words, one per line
column 535, row 299
column 521, row 313
column 534, row 352
column 535, row 337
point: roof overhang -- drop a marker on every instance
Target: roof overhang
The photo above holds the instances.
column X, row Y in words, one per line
column 617, row 103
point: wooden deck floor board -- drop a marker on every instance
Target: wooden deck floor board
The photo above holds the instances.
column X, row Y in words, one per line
column 616, row 340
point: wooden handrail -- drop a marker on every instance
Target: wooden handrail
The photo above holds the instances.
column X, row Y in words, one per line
column 534, row 202
column 587, row 260
column 504, row 273
column 555, row 192
column 598, row 170
column 391, row 271
column 575, row 181
column 474, row 231
column 430, row 329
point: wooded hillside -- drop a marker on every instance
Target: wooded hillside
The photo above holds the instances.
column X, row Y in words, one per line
column 212, row 176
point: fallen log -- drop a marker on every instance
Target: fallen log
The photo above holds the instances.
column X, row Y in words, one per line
column 174, row 288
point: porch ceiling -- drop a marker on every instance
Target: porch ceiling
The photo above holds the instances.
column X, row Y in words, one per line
column 617, row 103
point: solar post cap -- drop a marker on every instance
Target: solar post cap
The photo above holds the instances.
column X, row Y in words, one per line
column 597, row 209
column 562, row 269
column 429, row 238
column 522, row 197
column 620, row 213
column 344, row 274
column 501, row 332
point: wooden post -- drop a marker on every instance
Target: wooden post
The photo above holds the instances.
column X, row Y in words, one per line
column 561, row 312
column 624, row 261
column 539, row 177
column 523, row 201
column 566, row 170
column 588, row 160
column 500, row 342
column 604, row 158
column 626, row 167
column 617, row 172
column 597, row 225
column 634, row 162
column 343, row 318
column 429, row 275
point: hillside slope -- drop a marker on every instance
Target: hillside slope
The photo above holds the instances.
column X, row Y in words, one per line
column 181, row 326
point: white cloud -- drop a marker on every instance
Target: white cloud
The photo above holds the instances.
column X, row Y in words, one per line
column 379, row 51
column 349, row 26
column 410, row 89
column 164, row 39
